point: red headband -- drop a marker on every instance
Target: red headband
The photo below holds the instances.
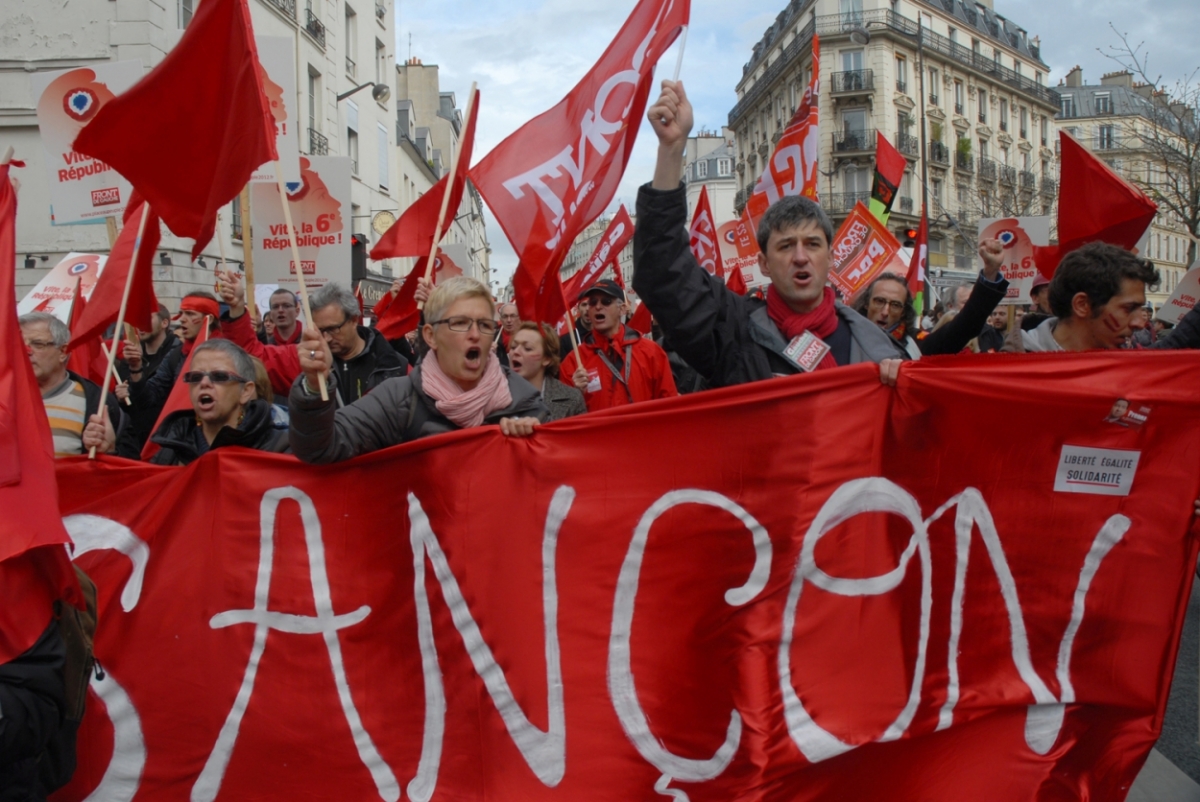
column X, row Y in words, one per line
column 202, row 305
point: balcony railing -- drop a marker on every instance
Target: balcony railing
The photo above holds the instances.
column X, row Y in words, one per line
column 318, row 145
column 1024, row 133
column 314, row 27
column 1003, row 124
column 983, row 116
column 1049, row 186
column 288, row 7
column 858, row 140
column 1028, row 180
column 939, row 153
column 958, row 109
column 964, row 162
column 1008, row 175
column 843, row 202
column 908, row 144
column 853, row 81
column 906, row 205
column 901, row 86
column 351, row 68
column 988, row 168
column 933, row 99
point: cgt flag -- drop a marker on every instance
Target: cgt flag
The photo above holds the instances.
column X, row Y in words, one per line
column 792, row 168
column 606, row 253
column 702, row 237
column 544, row 203
column 784, row 612
column 189, row 135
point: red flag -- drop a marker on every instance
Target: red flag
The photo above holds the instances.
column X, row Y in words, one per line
column 607, row 250
column 702, row 237
column 920, row 259
column 34, row 569
column 1094, row 205
column 641, row 320
column 616, row 269
column 413, row 234
column 105, row 303
column 189, row 134
column 358, row 297
column 736, row 281
column 397, row 316
column 557, row 173
column 179, row 398
column 792, row 168
column 88, row 360
column 890, row 165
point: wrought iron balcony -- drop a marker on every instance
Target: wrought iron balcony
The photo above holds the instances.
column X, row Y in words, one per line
column 983, row 116
column 939, row 153
column 288, row 7
column 854, row 141
column 318, row 145
column 1049, row 186
column 843, row 202
column 958, row 109
column 853, row 82
column 933, row 98
column 314, row 27
column 988, row 168
column 908, row 144
column 964, row 162
column 901, row 86
column 1008, row 175
column 906, row 205
column 1028, row 180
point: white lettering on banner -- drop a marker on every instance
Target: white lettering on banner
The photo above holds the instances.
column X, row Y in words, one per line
column 593, row 128
column 1044, row 719
column 544, row 752
column 620, row 672
column 208, row 784
column 123, row 775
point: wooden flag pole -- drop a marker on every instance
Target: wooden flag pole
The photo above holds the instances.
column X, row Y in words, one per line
column 287, row 218
column 247, row 248
column 571, row 320
column 111, row 224
column 446, row 198
column 112, row 355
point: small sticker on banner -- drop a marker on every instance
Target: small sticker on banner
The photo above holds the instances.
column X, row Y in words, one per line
column 1128, row 416
column 1098, row 471
column 807, row 351
column 593, row 384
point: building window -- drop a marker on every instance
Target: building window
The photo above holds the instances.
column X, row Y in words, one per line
column 1024, row 123
column 381, row 63
column 856, row 181
column 933, row 86
column 1003, row 114
column 314, row 99
column 982, row 106
column 351, row 43
column 1068, row 106
column 852, row 60
column 935, row 192
column 958, row 97
column 1104, row 103
column 901, row 74
column 702, row 169
column 852, row 11
column 954, row 35
column 1016, row 67
column 383, row 156
column 185, row 13
column 235, row 218
column 1037, row 77
column 1104, row 137
column 983, row 148
column 975, row 48
column 1045, row 125
column 724, row 167
column 352, row 149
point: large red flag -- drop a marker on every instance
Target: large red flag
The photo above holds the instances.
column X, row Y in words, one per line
column 105, row 303
column 1094, row 205
column 88, row 360
column 413, row 234
column 703, row 237
column 33, row 564
column 397, row 316
column 189, row 134
column 792, row 168
column 607, row 251
column 180, row 397
column 557, row 173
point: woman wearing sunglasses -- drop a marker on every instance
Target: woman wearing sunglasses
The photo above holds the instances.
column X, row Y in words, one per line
column 459, row 384
column 226, row 410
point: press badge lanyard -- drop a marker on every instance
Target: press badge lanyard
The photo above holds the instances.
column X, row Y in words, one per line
column 624, row 380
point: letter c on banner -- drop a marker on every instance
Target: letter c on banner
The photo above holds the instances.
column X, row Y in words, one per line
column 620, row 673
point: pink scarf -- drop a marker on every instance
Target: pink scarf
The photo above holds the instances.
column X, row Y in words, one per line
column 466, row 408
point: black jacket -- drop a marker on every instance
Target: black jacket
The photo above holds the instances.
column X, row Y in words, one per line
column 376, row 363
column 727, row 338
column 142, row 417
column 970, row 320
column 151, row 393
column 33, row 704
column 181, row 440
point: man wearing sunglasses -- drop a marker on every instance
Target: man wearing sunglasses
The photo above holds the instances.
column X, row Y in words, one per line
column 619, row 365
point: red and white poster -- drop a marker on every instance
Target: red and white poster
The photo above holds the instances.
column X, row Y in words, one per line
column 702, row 237
column 277, row 56
column 54, row 292
column 320, row 211
column 1183, row 299
column 758, row 616
column 81, row 188
column 1018, row 236
column 739, row 251
column 862, row 249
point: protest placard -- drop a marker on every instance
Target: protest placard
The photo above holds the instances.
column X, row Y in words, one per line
column 54, row 292
column 277, row 56
column 862, row 248
column 81, row 188
column 739, row 251
column 320, row 211
column 1183, row 298
column 1018, row 236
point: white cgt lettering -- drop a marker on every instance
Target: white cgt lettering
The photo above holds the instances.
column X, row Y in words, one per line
column 621, row 687
column 544, row 752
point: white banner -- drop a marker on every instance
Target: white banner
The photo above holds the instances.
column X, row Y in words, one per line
column 278, row 58
column 321, row 213
column 1017, row 236
column 1184, row 297
column 54, row 292
column 81, row 188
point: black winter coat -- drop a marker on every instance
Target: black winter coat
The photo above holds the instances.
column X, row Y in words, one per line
column 181, row 441
column 376, row 363
column 33, row 702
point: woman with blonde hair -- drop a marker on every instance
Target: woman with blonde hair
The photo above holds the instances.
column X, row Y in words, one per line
column 459, row 384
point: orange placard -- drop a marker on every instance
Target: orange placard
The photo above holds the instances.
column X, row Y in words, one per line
column 862, row 249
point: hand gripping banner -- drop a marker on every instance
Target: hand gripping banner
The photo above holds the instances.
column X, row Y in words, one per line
column 812, row 588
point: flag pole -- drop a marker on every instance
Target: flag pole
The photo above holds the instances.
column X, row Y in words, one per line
column 247, row 248
column 112, row 355
column 287, row 218
column 571, row 321
column 446, row 198
column 110, row 223
column 679, row 60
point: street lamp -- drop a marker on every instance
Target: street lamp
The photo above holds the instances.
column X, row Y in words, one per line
column 380, row 92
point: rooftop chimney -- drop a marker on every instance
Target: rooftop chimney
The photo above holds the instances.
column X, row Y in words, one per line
column 1118, row 78
column 1075, row 76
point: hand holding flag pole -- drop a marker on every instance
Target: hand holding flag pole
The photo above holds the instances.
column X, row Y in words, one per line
column 291, row 230
column 433, row 246
column 112, row 355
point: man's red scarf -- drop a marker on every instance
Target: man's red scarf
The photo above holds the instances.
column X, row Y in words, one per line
column 822, row 321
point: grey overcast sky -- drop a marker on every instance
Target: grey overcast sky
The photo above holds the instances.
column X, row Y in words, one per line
column 527, row 54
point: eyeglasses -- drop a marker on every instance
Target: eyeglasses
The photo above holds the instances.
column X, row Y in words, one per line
column 599, row 300
column 281, row 307
column 215, row 376
column 879, row 302
column 40, row 345
column 333, row 329
column 486, row 326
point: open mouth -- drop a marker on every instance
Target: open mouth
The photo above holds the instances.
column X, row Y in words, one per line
column 473, row 357
column 802, row 278
column 205, row 402
column 514, row 362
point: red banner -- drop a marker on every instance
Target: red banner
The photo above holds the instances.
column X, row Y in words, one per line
column 862, row 248
column 873, row 608
column 702, row 237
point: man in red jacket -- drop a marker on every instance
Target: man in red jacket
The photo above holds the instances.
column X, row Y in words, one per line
column 619, row 365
